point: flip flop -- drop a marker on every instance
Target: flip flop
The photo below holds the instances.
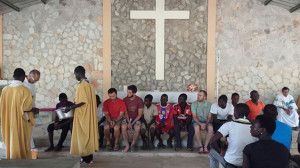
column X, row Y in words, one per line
column 200, row 149
column 116, row 148
column 205, row 150
column 108, row 147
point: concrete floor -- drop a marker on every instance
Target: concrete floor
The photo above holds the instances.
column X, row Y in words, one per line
column 164, row 158
column 150, row 162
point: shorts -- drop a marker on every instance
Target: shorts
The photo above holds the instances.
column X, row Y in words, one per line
column 107, row 123
column 206, row 128
column 138, row 122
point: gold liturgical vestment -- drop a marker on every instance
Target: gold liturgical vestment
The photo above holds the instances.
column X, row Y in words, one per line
column 15, row 127
column 85, row 127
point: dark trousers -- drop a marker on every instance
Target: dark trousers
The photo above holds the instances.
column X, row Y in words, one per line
column 63, row 134
column 216, row 126
column 191, row 132
column 87, row 159
column 228, row 165
column 101, row 134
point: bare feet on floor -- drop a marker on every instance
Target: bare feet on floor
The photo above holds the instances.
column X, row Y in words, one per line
column 126, row 149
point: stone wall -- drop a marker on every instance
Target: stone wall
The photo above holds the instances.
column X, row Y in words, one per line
column 55, row 38
column 133, row 46
column 258, row 48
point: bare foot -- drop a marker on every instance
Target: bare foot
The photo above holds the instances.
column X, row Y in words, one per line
column 126, row 149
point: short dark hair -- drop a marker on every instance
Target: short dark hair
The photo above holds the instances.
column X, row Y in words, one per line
column 271, row 111
column 224, row 98
column 266, row 122
column 285, row 88
column 19, row 73
column 205, row 93
column 133, row 88
column 149, row 97
column 253, row 91
column 164, row 95
column 97, row 98
column 35, row 72
column 79, row 70
column 183, row 95
column 112, row 90
column 234, row 94
column 242, row 108
column 62, row 96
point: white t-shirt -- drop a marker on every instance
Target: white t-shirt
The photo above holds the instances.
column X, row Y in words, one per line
column 239, row 137
column 31, row 87
column 222, row 113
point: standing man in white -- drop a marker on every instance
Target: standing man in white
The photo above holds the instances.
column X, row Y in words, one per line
column 287, row 108
column 30, row 80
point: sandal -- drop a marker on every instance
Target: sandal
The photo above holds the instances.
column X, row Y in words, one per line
column 108, row 147
column 200, row 149
column 205, row 150
column 161, row 145
column 116, row 148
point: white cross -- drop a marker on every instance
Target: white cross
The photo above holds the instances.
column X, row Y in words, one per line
column 159, row 15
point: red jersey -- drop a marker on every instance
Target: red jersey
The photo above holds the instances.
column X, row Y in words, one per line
column 182, row 117
column 165, row 114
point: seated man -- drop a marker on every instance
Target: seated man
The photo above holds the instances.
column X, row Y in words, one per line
column 221, row 112
column 287, row 108
column 150, row 113
column 163, row 121
column 182, row 117
column 239, row 136
column 255, row 106
column 283, row 132
column 202, row 120
column 65, row 125
column 114, row 109
column 133, row 116
column 101, row 120
column 235, row 97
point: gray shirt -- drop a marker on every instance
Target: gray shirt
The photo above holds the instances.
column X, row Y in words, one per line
column 202, row 111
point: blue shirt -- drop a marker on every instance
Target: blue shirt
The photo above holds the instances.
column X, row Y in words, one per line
column 283, row 134
column 163, row 114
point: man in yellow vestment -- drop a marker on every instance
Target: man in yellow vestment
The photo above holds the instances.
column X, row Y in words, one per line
column 16, row 126
column 85, row 125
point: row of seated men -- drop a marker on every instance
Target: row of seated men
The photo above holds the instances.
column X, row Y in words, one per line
column 150, row 121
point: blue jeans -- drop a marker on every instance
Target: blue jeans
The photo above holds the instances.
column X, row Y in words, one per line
column 215, row 158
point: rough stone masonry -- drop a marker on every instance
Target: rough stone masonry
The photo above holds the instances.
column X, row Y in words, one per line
column 133, row 46
column 55, row 38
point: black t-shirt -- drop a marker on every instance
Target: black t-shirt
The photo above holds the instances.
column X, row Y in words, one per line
column 267, row 154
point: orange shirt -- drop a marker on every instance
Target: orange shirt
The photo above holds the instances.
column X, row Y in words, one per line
column 255, row 109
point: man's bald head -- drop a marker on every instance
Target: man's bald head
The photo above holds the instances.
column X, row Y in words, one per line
column 34, row 76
